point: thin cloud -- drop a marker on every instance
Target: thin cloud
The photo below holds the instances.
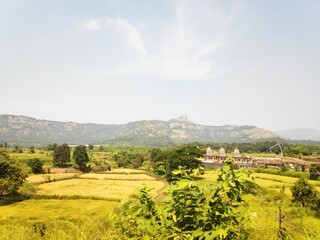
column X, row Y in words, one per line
column 91, row 24
column 132, row 35
column 182, row 53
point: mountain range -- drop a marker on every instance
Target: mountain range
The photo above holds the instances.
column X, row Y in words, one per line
column 28, row 131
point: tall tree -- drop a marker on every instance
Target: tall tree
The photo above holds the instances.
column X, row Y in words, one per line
column 80, row 156
column 61, row 155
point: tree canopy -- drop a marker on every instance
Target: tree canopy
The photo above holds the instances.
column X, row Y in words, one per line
column 11, row 174
column 164, row 162
column 61, row 155
column 80, row 156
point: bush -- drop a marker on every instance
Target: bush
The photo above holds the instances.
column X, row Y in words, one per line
column 31, row 149
column 36, row 165
column 192, row 212
column 314, row 171
column 11, row 174
column 303, row 193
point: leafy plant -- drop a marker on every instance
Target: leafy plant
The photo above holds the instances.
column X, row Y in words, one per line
column 303, row 193
column 36, row 165
column 11, row 174
column 192, row 212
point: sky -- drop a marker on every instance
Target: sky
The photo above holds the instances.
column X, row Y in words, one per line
column 220, row 62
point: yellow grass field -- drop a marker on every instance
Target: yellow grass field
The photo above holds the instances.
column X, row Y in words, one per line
column 263, row 209
column 78, row 205
column 112, row 189
column 42, row 178
column 132, row 177
column 35, row 209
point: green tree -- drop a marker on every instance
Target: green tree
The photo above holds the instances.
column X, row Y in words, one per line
column 314, row 171
column 11, row 174
column 31, row 149
column 101, row 148
column 90, row 147
column 80, row 156
column 185, row 157
column 61, row 155
column 36, row 165
column 303, row 193
column 52, row 146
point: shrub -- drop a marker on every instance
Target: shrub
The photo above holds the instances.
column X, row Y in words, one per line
column 11, row 174
column 303, row 193
column 36, row 165
column 31, row 149
column 193, row 212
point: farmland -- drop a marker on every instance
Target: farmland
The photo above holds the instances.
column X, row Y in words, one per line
column 65, row 203
column 73, row 201
column 263, row 208
column 72, row 206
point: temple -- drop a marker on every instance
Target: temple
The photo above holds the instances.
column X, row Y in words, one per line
column 216, row 161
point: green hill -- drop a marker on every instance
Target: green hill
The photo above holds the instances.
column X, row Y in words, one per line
column 30, row 131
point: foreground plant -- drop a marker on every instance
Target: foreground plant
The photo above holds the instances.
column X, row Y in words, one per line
column 192, row 212
column 11, row 174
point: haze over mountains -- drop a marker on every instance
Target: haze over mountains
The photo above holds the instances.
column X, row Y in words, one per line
column 301, row 133
column 30, row 131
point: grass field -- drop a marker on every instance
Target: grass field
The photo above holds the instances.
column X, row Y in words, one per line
column 44, row 210
column 110, row 189
column 131, row 177
column 78, row 206
column 72, row 206
column 42, row 178
column 263, row 209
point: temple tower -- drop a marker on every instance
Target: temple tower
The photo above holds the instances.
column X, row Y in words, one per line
column 222, row 152
column 236, row 153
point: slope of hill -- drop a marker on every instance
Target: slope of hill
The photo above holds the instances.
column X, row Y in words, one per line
column 301, row 134
column 29, row 131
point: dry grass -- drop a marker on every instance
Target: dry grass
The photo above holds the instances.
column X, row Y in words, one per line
column 97, row 188
column 42, row 178
column 53, row 209
column 127, row 171
column 131, row 176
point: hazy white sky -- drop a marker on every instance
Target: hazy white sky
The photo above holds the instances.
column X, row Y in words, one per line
column 219, row 62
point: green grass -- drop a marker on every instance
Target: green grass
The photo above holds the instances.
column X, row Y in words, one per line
column 42, row 210
column 262, row 209
column 57, row 219
column 77, row 206
column 46, row 156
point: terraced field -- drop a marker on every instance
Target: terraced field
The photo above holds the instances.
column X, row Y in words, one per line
column 67, row 202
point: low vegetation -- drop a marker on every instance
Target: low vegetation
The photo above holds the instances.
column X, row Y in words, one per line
column 173, row 203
